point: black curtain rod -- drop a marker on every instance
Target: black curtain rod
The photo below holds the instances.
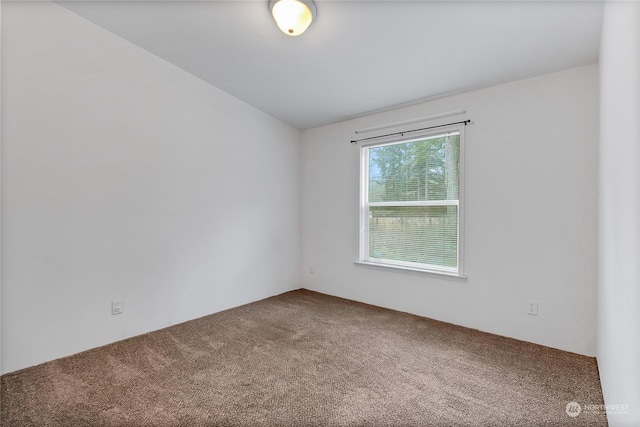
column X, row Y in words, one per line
column 464, row 122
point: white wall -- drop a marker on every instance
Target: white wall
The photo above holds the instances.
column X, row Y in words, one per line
column 531, row 228
column 125, row 177
column 619, row 280
column 0, row 191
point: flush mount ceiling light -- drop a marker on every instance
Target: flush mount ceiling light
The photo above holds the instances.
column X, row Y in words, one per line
column 293, row 16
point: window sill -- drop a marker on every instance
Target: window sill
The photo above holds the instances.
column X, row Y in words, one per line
column 400, row 268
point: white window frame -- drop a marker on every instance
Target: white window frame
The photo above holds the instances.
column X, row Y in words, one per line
column 363, row 257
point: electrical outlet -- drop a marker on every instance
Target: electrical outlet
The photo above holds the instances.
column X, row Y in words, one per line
column 532, row 307
column 312, row 270
column 117, row 306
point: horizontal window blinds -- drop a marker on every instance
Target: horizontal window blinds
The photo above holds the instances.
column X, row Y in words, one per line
column 412, row 201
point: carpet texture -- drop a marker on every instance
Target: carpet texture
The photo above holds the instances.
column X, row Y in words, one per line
column 307, row 359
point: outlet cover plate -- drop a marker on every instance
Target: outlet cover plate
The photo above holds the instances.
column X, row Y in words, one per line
column 117, row 306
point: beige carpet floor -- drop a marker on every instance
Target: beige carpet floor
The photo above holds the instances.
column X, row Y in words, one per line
column 307, row 359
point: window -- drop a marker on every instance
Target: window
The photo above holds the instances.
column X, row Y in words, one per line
column 411, row 210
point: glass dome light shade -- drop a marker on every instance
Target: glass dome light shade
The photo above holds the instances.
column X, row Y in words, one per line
column 292, row 16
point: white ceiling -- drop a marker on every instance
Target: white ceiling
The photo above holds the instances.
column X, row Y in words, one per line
column 358, row 56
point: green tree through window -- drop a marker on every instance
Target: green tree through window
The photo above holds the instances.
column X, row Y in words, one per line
column 411, row 199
